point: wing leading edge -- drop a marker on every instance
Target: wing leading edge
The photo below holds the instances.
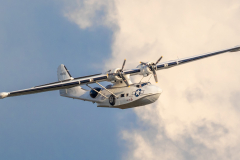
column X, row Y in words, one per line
column 173, row 63
column 55, row 86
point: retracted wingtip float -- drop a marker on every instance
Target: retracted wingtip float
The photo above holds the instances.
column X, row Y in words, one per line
column 122, row 93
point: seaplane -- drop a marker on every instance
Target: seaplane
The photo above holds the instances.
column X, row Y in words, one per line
column 121, row 93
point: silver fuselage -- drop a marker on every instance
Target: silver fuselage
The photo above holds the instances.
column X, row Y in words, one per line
column 125, row 97
column 133, row 96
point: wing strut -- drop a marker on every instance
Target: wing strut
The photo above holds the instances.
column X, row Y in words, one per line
column 97, row 91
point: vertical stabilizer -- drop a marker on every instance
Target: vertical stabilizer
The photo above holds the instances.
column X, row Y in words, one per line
column 63, row 73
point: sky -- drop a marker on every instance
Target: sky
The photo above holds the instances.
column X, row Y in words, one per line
column 35, row 38
column 196, row 117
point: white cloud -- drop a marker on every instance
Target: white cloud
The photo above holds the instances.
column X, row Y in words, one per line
column 197, row 115
column 87, row 13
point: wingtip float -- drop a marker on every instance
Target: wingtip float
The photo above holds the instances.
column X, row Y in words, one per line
column 4, row 95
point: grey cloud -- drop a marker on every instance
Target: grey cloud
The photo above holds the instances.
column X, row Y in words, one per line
column 193, row 94
column 187, row 146
column 89, row 13
column 235, row 100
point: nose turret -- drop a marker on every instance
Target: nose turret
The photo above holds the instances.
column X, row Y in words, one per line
column 159, row 90
column 152, row 89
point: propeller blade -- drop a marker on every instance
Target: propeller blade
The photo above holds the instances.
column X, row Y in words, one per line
column 159, row 60
column 143, row 63
column 123, row 64
column 155, row 75
column 124, row 79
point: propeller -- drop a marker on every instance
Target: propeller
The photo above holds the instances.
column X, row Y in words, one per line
column 123, row 64
column 153, row 68
column 121, row 75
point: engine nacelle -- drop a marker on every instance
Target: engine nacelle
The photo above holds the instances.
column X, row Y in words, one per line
column 112, row 77
column 144, row 69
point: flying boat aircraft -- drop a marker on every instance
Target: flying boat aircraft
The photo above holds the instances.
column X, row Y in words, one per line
column 122, row 93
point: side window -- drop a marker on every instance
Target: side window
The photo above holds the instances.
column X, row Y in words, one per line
column 127, row 95
column 122, row 95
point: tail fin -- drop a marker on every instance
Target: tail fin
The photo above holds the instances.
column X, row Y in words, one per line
column 63, row 73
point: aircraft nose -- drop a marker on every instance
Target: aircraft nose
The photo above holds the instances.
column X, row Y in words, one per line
column 159, row 90
column 154, row 89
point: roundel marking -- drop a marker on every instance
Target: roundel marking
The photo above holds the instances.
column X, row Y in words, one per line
column 112, row 100
column 138, row 92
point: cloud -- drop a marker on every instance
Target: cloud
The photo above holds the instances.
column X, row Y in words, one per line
column 88, row 13
column 197, row 115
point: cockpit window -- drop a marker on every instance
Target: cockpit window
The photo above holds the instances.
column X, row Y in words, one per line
column 144, row 84
column 109, row 86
